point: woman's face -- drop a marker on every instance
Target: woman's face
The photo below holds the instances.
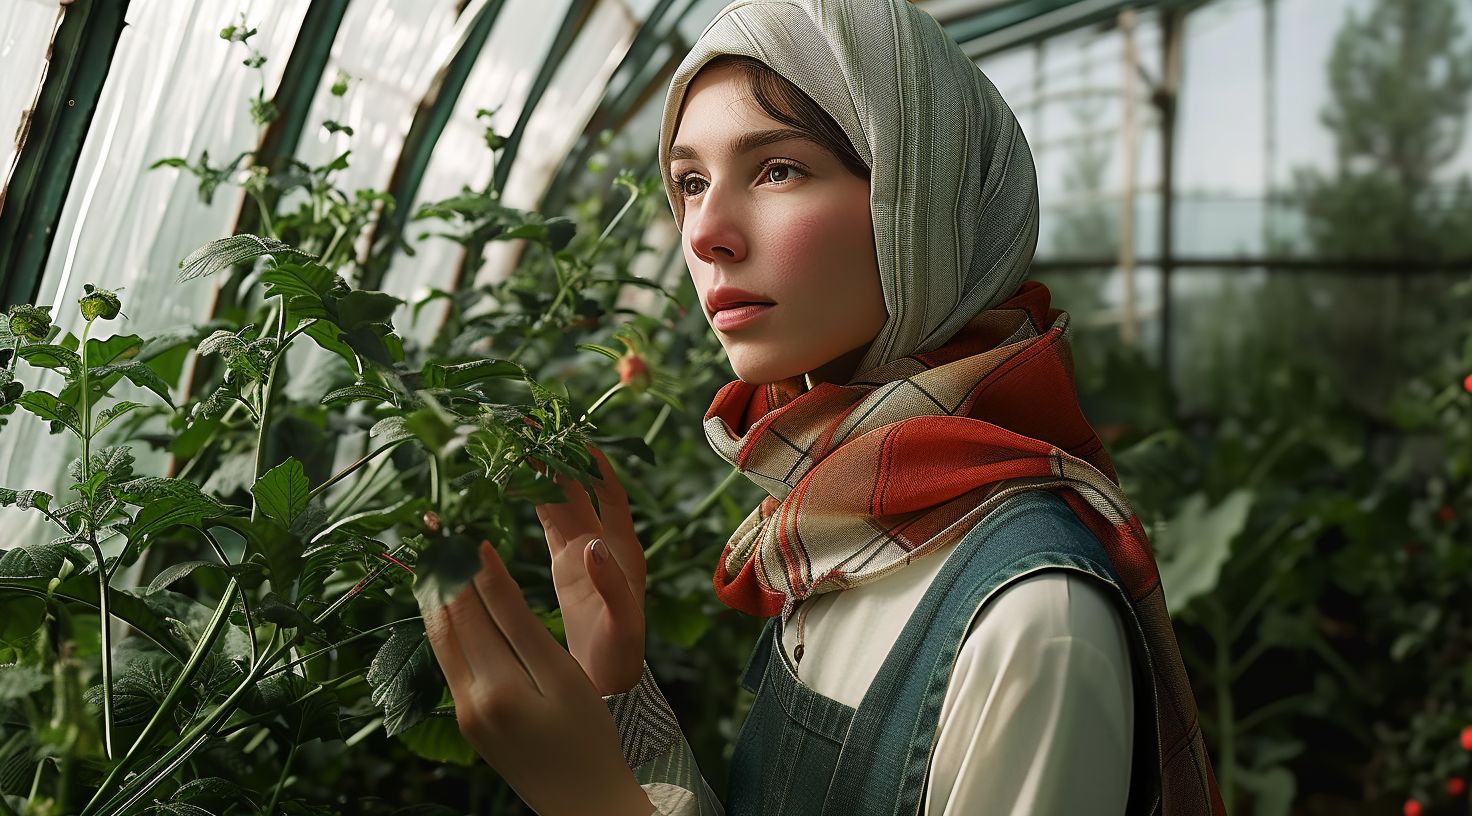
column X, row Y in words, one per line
column 785, row 221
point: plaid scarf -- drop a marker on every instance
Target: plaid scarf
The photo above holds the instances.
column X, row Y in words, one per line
column 955, row 431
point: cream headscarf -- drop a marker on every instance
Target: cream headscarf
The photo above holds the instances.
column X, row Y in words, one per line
column 953, row 191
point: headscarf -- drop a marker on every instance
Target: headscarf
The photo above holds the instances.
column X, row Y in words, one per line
column 967, row 394
column 953, row 193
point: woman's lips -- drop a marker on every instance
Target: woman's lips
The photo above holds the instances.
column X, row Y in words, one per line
column 736, row 317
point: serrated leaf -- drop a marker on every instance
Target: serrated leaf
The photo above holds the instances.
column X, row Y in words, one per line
column 282, row 492
column 105, row 417
column 140, row 375
column 360, row 307
column 403, row 678
column 177, row 572
column 310, row 280
column 43, row 355
column 227, row 252
column 33, row 560
column 369, row 392
column 48, row 407
column 438, row 375
column 167, row 503
column 391, row 429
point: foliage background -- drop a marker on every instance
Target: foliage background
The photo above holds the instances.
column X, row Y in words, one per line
column 1304, row 465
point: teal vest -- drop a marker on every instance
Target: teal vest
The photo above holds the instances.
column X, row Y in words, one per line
column 802, row 754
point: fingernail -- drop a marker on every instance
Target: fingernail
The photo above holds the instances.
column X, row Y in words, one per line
column 600, row 552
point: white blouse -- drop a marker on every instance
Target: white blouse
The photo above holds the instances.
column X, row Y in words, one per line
column 1038, row 714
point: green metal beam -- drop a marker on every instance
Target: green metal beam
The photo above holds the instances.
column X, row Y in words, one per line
column 424, row 133
column 572, row 25
column 293, row 99
column 31, row 204
column 635, row 78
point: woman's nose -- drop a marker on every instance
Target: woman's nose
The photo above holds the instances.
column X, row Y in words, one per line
column 716, row 232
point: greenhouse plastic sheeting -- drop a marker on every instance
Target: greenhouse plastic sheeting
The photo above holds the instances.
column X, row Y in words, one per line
column 174, row 89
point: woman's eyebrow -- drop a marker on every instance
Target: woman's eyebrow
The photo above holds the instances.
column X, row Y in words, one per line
column 745, row 143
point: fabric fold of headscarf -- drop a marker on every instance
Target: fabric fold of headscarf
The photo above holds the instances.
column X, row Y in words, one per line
column 966, row 395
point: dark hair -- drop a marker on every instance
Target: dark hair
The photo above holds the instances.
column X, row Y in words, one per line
column 786, row 103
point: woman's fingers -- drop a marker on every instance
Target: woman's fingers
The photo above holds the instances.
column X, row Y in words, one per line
column 526, row 636
column 613, row 585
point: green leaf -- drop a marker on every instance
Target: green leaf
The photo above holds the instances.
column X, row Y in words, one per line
column 267, row 539
column 227, row 252
column 404, row 679
column 612, row 354
column 106, row 417
column 48, row 407
column 54, row 357
column 438, row 375
column 167, row 503
column 1194, row 546
column 360, row 307
column 177, row 572
column 140, row 375
column 297, row 279
column 211, row 792
column 368, row 392
column 82, row 590
column 100, row 352
column 439, row 739
column 329, row 337
column 274, row 608
column 282, row 492
column 34, row 560
column 391, row 429
column 25, row 499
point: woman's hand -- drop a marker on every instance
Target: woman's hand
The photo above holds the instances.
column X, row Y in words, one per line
column 524, row 704
column 602, row 602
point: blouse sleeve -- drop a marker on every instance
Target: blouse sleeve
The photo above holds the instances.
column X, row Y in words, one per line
column 1039, row 713
column 656, row 750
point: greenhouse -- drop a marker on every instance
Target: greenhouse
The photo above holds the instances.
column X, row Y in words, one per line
column 320, row 313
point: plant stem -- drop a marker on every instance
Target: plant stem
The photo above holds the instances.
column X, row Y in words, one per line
column 345, row 472
column 339, row 644
column 664, row 413
column 617, row 387
column 267, row 386
column 705, row 504
column 166, row 708
column 285, row 768
column 105, row 613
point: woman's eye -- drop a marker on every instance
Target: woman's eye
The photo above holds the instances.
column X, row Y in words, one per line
column 782, row 167
column 683, row 182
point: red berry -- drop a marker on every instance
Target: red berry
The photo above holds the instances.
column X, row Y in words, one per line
column 1412, row 808
column 1446, row 514
column 1467, row 738
column 1467, row 383
column 1456, row 786
column 632, row 370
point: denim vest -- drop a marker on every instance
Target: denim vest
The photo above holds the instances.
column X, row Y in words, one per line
column 802, row 754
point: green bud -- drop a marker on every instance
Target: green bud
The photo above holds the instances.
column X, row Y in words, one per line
column 99, row 303
column 227, row 32
column 340, row 84
column 30, row 322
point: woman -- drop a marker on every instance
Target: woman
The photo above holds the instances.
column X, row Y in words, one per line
column 964, row 614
